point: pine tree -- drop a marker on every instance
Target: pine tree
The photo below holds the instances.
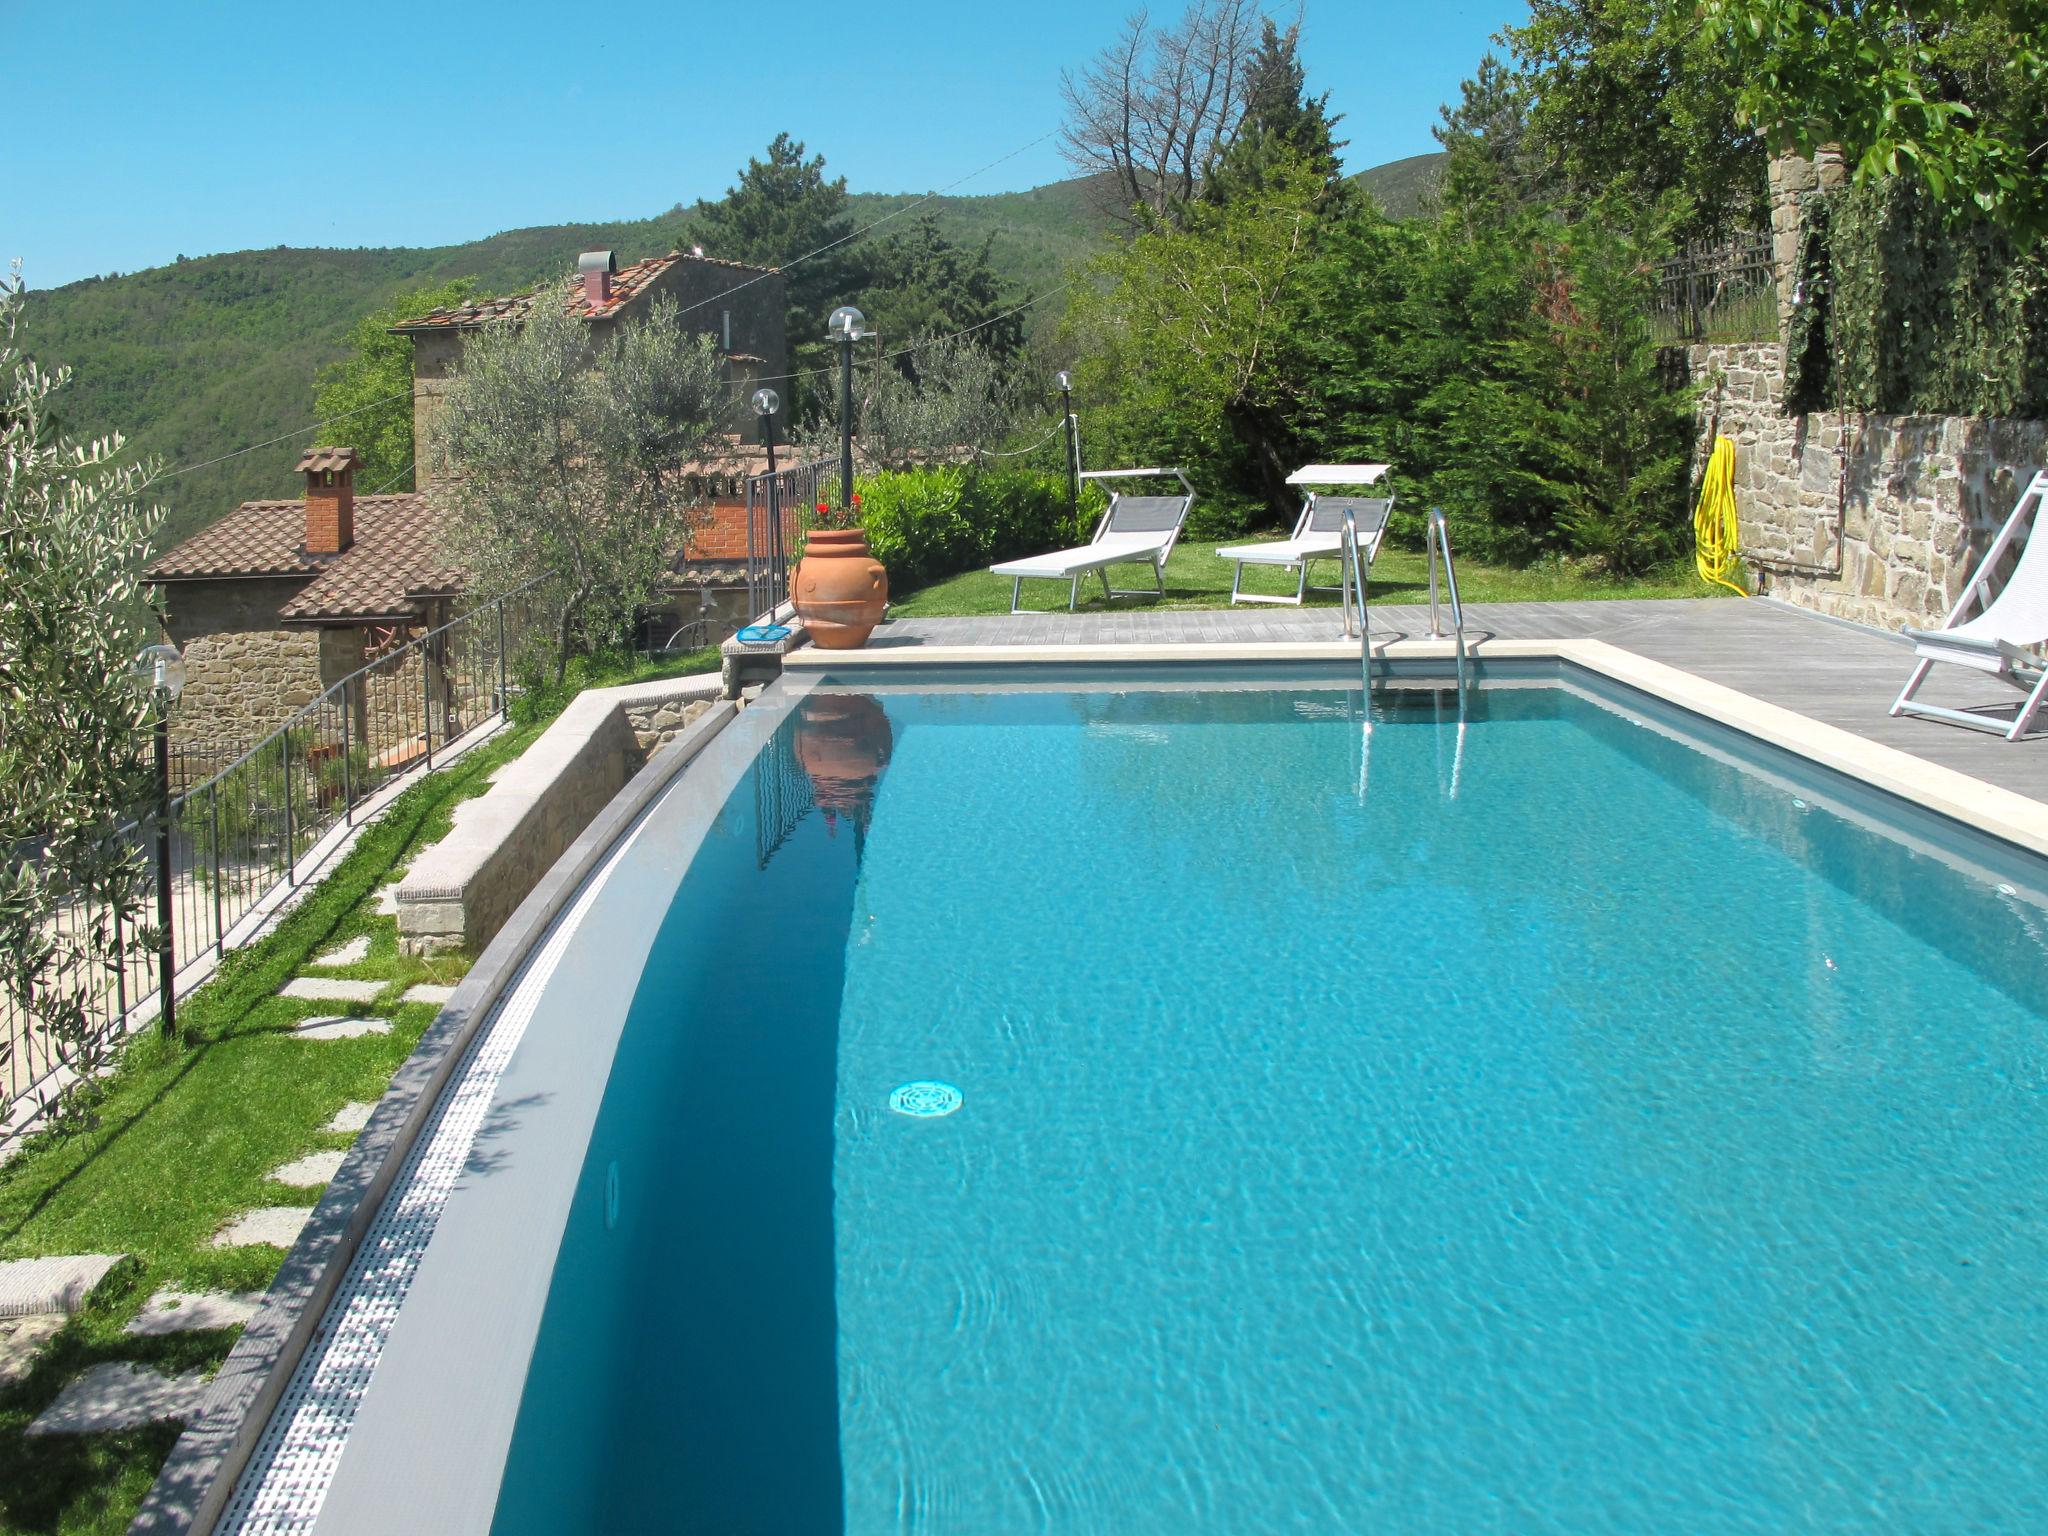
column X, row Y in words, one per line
column 1281, row 123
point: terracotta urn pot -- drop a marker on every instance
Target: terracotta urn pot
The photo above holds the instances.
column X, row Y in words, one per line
column 840, row 589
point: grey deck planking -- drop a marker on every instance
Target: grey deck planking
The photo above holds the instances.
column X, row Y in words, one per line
column 1841, row 674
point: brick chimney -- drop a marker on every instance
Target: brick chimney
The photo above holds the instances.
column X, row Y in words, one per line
column 330, row 498
column 597, row 268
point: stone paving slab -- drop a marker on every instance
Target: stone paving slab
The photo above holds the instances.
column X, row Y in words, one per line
column 387, row 901
column 351, row 1118
column 277, row 1225
column 119, row 1396
column 32, row 1286
column 355, row 950
column 192, row 1311
column 21, row 1340
column 312, row 1169
column 332, row 989
column 338, row 1027
column 428, row 992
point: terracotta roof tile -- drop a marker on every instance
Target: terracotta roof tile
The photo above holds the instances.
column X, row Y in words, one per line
column 628, row 283
column 395, row 557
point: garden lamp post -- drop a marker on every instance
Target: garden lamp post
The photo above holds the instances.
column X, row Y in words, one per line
column 1065, row 381
column 766, row 404
column 846, row 326
column 161, row 670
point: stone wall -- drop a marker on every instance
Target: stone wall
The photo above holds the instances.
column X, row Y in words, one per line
column 1876, row 518
column 244, row 675
column 462, row 890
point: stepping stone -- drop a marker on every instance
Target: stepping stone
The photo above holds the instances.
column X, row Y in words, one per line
column 427, row 992
column 119, row 1395
column 21, row 1340
column 192, row 1311
column 332, row 989
column 336, row 1027
column 351, row 1118
column 277, row 1225
column 387, row 900
column 313, row 1169
column 356, row 949
column 32, row 1286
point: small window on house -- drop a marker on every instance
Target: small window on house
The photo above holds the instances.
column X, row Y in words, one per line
column 728, row 330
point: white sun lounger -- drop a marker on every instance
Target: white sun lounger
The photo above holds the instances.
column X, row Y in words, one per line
column 1136, row 530
column 1318, row 532
column 1997, row 638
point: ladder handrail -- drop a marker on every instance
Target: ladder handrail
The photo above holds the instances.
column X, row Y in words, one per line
column 1440, row 547
column 1354, row 579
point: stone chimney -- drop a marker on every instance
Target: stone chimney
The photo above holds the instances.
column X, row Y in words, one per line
column 597, row 268
column 330, row 498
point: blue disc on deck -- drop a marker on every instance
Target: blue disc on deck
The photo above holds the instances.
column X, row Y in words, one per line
column 762, row 634
column 925, row 1100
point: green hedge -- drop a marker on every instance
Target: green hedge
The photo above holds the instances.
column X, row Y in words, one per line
column 926, row 523
column 1919, row 312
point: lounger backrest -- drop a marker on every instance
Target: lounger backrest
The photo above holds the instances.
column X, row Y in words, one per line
column 1146, row 514
column 1327, row 515
column 2021, row 604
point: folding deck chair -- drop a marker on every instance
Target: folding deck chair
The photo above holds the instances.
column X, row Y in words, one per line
column 1318, row 532
column 1136, row 530
column 1998, row 639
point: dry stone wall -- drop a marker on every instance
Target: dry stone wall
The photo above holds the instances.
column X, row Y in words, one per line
column 1876, row 518
column 244, row 675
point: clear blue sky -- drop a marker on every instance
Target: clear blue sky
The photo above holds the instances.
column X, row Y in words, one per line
column 146, row 130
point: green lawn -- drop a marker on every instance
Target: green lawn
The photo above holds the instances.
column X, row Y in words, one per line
column 188, row 1133
column 1196, row 578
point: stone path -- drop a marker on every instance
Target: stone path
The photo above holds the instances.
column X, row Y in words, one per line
column 428, row 992
column 355, row 950
column 193, row 1311
column 277, row 1225
column 351, row 1118
column 32, row 1286
column 332, row 989
column 21, row 1340
column 314, row 1169
column 119, row 1396
column 387, row 900
column 336, row 1027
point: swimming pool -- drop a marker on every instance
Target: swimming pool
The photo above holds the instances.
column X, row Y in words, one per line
column 1575, row 1119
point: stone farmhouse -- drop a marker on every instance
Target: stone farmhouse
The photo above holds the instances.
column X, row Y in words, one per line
column 281, row 599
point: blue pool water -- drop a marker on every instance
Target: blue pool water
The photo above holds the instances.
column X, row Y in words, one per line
column 1631, row 1142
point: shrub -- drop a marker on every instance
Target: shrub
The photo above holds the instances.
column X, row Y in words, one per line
column 926, row 523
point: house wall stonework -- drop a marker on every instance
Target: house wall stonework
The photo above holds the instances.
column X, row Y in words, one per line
column 1916, row 499
column 244, row 675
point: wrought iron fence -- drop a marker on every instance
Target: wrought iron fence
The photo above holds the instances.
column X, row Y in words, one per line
column 1720, row 292
column 246, row 825
column 776, row 505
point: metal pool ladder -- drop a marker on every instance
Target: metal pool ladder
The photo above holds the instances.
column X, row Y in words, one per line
column 1439, row 540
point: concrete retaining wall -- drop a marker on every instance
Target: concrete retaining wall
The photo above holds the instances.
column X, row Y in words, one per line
column 461, row 891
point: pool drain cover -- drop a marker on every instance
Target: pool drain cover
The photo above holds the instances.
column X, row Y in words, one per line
column 925, row 1100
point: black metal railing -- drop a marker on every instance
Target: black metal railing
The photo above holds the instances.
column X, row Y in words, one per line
column 247, row 824
column 777, row 505
column 1727, row 291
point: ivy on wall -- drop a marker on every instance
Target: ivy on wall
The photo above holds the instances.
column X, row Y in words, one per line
column 1921, row 314
column 1808, row 380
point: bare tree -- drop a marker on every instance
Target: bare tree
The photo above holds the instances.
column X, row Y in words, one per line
column 1153, row 113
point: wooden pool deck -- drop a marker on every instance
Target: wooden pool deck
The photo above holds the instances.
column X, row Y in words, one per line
column 1841, row 674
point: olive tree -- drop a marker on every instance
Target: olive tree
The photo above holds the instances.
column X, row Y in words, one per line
column 944, row 399
column 75, row 532
column 574, row 465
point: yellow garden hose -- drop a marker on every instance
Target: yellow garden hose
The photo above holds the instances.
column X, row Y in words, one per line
column 1714, row 524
